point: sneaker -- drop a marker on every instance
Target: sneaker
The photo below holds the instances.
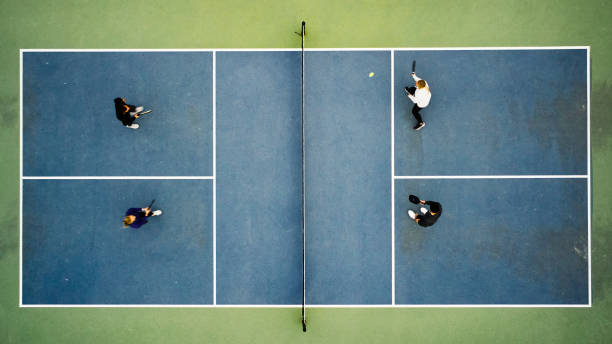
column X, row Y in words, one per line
column 423, row 211
column 133, row 126
column 419, row 126
column 412, row 214
column 157, row 212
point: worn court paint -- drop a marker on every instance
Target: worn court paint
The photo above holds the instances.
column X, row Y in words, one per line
column 494, row 112
column 512, row 241
column 76, row 251
column 69, row 122
column 259, row 178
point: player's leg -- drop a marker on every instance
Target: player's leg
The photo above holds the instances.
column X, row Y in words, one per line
column 416, row 113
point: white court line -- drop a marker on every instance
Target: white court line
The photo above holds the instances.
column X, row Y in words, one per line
column 158, row 306
column 315, row 306
column 453, row 48
column 452, row 306
column 214, row 96
column 581, row 176
column 186, row 50
column 121, row 177
column 20, row 177
column 312, row 49
column 393, row 177
column 589, row 165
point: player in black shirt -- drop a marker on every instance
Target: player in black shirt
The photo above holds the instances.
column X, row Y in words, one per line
column 427, row 217
column 127, row 113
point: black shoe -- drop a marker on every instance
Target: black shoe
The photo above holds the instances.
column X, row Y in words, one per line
column 419, row 126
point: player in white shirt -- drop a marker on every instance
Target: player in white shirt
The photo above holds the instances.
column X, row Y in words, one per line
column 420, row 96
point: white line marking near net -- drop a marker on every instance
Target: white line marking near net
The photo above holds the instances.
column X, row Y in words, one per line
column 120, row 177
column 580, row 176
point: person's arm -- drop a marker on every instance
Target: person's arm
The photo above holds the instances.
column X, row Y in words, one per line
column 147, row 211
column 415, row 77
column 129, row 110
column 413, row 98
column 133, row 211
column 434, row 206
column 138, row 222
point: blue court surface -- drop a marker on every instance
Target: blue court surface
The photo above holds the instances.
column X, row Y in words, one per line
column 504, row 149
column 76, row 251
column 494, row 113
column 69, row 122
column 507, row 241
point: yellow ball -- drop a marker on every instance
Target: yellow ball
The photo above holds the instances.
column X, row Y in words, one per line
column 371, row 74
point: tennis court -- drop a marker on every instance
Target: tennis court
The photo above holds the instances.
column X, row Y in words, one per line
column 221, row 154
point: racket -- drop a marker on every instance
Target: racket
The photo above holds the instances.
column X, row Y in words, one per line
column 151, row 204
column 414, row 199
column 413, row 65
column 145, row 112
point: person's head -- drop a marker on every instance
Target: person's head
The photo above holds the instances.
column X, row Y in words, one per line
column 128, row 220
column 421, row 83
column 434, row 208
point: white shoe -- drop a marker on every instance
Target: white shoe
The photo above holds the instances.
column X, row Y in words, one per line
column 133, row 126
column 157, row 212
column 424, row 211
column 412, row 214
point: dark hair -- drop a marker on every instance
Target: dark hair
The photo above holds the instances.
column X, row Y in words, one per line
column 435, row 208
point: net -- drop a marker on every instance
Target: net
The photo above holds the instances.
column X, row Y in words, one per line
column 303, row 34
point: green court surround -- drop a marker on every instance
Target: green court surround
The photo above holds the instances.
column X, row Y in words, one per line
column 270, row 24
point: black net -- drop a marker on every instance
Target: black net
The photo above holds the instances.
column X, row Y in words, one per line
column 303, row 34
